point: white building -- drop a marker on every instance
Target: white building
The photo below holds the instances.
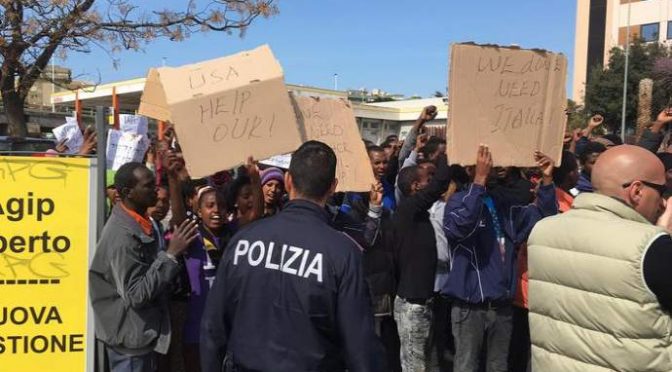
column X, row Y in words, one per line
column 603, row 24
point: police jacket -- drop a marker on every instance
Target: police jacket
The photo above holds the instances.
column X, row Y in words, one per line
column 290, row 295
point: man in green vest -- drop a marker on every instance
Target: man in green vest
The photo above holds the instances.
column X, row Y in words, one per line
column 599, row 285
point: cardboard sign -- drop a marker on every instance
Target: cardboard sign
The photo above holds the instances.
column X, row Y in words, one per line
column 71, row 133
column 512, row 100
column 332, row 121
column 224, row 110
column 48, row 216
column 124, row 148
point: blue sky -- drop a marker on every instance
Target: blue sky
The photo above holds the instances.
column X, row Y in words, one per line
column 399, row 46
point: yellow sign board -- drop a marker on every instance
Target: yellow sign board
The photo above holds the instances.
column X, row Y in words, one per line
column 45, row 222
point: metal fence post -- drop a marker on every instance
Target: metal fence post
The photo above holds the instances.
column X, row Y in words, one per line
column 101, row 196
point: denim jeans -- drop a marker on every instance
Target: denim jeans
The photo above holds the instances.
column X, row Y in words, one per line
column 474, row 325
column 131, row 363
column 414, row 324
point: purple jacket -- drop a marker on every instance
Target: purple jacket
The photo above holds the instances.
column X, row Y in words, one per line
column 201, row 262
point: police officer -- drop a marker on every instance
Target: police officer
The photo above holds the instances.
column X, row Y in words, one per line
column 290, row 293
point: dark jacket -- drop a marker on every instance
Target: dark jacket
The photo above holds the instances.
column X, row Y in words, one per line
column 129, row 285
column 414, row 239
column 477, row 273
column 584, row 184
column 290, row 296
column 371, row 228
column 651, row 141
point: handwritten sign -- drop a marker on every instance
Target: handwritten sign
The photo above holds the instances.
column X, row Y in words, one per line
column 124, row 148
column 44, row 257
column 224, row 110
column 133, row 124
column 332, row 121
column 511, row 99
column 71, row 133
column 279, row 161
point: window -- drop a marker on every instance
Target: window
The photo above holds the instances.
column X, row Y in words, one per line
column 650, row 32
column 669, row 29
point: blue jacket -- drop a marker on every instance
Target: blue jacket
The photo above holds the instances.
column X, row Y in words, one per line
column 477, row 272
column 584, row 184
column 290, row 295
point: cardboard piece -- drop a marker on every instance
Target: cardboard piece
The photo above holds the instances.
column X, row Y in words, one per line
column 279, row 161
column 124, row 148
column 71, row 133
column 224, row 110
column 332, row 121
column 133, row 124
column 512, row 100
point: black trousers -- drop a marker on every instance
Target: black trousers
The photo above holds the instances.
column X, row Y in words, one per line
column 520, row 349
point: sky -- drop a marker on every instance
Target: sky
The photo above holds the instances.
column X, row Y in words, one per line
column 399, row 46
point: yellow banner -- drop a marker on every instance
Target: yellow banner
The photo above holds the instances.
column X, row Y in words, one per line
column 44, row 247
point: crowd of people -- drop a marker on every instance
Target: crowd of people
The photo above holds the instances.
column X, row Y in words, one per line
column 264, row 269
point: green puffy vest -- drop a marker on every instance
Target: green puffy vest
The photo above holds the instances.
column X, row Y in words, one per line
column 590, row 309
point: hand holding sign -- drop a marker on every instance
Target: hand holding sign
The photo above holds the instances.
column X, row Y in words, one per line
column 89, row 143
column 483, row 165
column 546, row 165
column 61, row 147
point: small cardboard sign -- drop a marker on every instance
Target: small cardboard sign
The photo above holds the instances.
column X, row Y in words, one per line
column 511, row 99
column 332, row 121
column 225, row 109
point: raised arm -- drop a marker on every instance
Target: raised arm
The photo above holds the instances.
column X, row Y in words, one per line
column 463, row 210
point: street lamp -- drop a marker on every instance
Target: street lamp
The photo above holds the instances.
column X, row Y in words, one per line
column 625, row 75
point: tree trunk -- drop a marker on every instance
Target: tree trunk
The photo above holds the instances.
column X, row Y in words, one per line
column 645, row 95
column 16, row 116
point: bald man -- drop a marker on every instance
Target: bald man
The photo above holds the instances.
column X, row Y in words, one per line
column 599, row 284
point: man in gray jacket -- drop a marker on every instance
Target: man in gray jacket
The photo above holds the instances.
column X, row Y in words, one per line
column 130, row 279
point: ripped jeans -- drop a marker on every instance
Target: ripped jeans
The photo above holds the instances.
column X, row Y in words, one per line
column 414, row 324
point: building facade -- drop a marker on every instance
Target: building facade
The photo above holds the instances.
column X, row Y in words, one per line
column 603, row 24
column 376, row 121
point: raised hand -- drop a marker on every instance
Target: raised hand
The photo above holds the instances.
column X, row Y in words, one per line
column 421, row 141
column 546, row 166
column 376, row 194
column 252, row 169
column 665, row 116
column 90, row 142
column 184, row 234
column 428, row 114
column 61, row 147
column 595, row 121
column 483, row 165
